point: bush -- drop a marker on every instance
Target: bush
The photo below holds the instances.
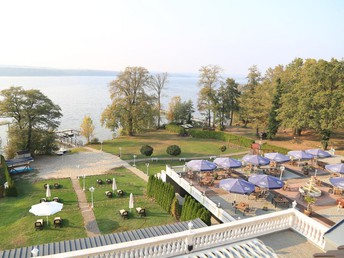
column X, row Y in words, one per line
column 95, row 140
column 173, row 150
column 146, row 150
column 11, row 192
column 223, row 148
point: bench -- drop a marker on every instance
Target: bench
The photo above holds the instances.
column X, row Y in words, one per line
column 56, row 199
column 58, row 222
column 120, row 193
column 124, row 214
column 141, row 211
column 108, row 194
column 39, row 224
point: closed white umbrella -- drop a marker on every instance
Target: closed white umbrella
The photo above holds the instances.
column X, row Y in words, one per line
column 46, row 208
column 114, row 186
column 131, row 201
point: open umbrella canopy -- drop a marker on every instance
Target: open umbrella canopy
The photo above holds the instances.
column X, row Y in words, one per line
column 266, row 181
column 336, row 168
column 201, row 165
column 238, row 186
column 277, row 157
column 228, row 162
column 318, row 153
column 300, row 155
column 256, row 160
column 114, row 185
column 46, row 208
column 337, row 182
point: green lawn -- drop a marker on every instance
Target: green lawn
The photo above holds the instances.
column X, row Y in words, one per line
column 160, row 140
column 17, row 223
column 107, row 209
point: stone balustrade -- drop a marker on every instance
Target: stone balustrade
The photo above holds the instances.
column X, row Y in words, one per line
column 210, row 237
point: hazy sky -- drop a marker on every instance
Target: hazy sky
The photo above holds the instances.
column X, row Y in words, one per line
column 169, row 35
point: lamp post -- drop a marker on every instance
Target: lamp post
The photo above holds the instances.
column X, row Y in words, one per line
column 147, row 165
column 120, row 151
column 282, row 168
column 91, row 190
column 134, row 160
column 101, row 146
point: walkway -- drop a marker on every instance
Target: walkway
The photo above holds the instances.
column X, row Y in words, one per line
column 90, row 222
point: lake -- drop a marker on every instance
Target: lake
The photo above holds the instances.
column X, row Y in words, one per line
column 89, row 95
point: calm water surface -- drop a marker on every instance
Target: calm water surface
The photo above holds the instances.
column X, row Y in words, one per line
column 80, row 96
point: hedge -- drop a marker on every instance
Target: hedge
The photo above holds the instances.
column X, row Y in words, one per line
column 266, row 148
column 223, row 136
column 175, row 129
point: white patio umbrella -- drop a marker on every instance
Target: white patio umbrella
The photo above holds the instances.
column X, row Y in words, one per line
column 114, row 186
column 48, row 193
column 131, row 201
column 46, row 208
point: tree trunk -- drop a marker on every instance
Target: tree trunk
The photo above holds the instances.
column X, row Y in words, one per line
column 29, row 138
column 231, row 118
column 257, row 131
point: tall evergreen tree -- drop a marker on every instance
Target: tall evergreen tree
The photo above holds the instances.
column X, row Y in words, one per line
column 273, row 122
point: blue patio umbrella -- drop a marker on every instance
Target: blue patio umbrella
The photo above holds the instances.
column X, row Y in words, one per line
column 266, row 181
column 318, row 153
column 300, row 155
column 277, row 157
column 237, row 186
column 228, row 162
column 201, row 165
column 256, row 160
column 336, row 168
column 337, row 182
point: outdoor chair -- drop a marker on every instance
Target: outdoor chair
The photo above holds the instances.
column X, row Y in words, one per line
column 108, row 194
column 58, row 222
column 141, row 212
column 43, row 200
column 45, row 186
column 124, row 214
column 120, row 193
column 108, row 181
column 56, row 185
column 99, row 181
column 39, row 224
column 56, row 199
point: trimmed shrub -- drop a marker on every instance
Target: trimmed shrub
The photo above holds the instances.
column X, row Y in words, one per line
column 265, row 147
column 11, row 191
column 223, row 148
column 146, row 150
column 173, row 150
column 192, row 209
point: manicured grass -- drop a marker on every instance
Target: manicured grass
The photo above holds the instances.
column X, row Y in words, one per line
column 17, row 223
column 160, row 140
column 107, row 209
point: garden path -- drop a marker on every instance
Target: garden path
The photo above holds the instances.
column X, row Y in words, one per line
column 90, row 222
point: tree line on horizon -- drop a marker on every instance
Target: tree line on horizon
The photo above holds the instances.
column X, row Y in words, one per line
column 304, row 94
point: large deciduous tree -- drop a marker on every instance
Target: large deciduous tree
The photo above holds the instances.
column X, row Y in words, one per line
column 209, row 80
column 87, row 128
column 157, row 84
column 131, row 108
column 34, row 116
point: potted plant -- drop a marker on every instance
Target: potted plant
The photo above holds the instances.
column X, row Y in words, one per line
column 309, row 200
